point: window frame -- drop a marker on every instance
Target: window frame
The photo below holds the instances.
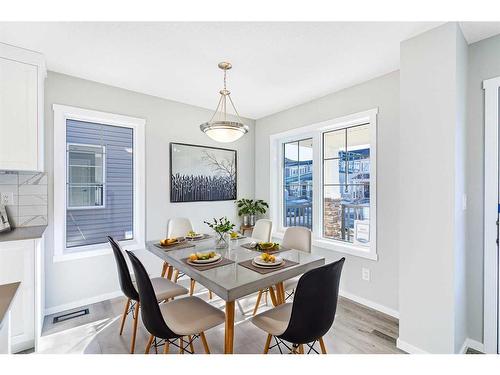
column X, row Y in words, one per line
column 62, row 113
column 282, row 160
column 315, row 131
column 103, row 205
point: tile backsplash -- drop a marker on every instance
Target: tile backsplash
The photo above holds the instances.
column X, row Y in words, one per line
column 29, row 192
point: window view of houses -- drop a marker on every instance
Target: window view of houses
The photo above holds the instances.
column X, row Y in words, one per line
column 297, row 184
column 346, row 183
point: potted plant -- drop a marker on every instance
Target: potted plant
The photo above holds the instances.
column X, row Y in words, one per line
column 248, row 208
column 222, row 227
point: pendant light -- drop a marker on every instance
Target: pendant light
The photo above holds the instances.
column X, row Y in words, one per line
column 219, row 127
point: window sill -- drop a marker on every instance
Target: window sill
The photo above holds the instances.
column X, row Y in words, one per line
column 358, row 251
column 95, row 251
column 80, row 255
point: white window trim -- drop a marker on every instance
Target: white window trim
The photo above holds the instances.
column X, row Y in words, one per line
column 61, row 114
column 491, row 259
column 315, row 132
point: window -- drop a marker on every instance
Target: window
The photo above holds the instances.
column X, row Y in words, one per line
column 297, row 183
column 346, row 184
column 98, row 181
column 326, row 181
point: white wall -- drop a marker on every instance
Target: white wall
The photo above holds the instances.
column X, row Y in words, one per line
column 167, row 121
column 431, row 291
column 382, row 92
column 484, row 63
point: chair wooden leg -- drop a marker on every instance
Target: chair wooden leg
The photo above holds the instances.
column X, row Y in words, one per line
column 301, row 349
column 181, row 345
column 134, row 332
column 205, row 343
column 166, row 347
column 259, row 296
column 210, row 294
column 148, row 345
column 170, row 271
column 176, row 276
column 273, row 296
column 268, row 343
column 322, row 345
column 124, row 316
column 191, row 287
column 164, row 269
column 191, row 346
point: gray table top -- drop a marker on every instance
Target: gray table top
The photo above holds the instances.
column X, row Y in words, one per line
column 233, row 281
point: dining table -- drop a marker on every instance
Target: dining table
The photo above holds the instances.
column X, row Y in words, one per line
column 233, row 281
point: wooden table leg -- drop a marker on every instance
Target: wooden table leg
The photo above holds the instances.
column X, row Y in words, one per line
column 280, row 293
column 229, row 333
column 274, row 298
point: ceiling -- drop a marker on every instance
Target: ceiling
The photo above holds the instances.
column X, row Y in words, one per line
column 275, row 65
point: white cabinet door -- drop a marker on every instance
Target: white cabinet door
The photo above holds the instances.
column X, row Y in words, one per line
column 17, row 263
column 19, row 145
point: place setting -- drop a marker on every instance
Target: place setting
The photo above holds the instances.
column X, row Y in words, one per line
column 267, row 263
column 268, row 247
column 174, row 243
column 194, row 236
column 206, row 260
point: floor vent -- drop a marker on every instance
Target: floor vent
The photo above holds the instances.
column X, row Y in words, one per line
column 71, row 315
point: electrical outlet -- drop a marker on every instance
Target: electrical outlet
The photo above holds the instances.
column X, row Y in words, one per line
column 6, row 198
column 365, row 274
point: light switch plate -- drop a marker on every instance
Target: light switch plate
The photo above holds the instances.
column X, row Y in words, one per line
column 6, row 198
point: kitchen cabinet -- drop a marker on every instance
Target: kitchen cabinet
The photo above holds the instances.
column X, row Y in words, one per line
column 22, row 75
column 20, row 261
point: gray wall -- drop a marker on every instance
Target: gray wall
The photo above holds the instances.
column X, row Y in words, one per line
column 382, row 92
column 431, row 293
column 484, row 63
column 166, row 121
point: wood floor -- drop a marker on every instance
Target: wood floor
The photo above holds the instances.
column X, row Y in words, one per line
column 356, row 330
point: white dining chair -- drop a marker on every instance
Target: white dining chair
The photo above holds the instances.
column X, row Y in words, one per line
column 297, row 238
column 180, row 227
column 262, row 230
column 176, row 227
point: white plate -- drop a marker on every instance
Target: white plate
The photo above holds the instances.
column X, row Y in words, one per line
column 204, row 264
column 259, row 261
column 195, row 237
column 207, row 261
column 275, row 266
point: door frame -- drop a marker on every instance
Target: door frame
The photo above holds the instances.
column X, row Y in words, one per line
column 491, row 214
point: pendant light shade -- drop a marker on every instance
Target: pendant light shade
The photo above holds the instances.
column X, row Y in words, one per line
column 219, row 127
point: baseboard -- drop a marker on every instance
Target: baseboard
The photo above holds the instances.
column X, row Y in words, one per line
column 472, row 344
column 373, row 305
column 82, row 302
column 408, row 348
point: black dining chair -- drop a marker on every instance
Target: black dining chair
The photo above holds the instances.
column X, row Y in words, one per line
column 309, row 317
column 164, row 289
column 171, row 322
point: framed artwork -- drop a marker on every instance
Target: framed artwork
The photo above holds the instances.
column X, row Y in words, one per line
column 202, row 173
